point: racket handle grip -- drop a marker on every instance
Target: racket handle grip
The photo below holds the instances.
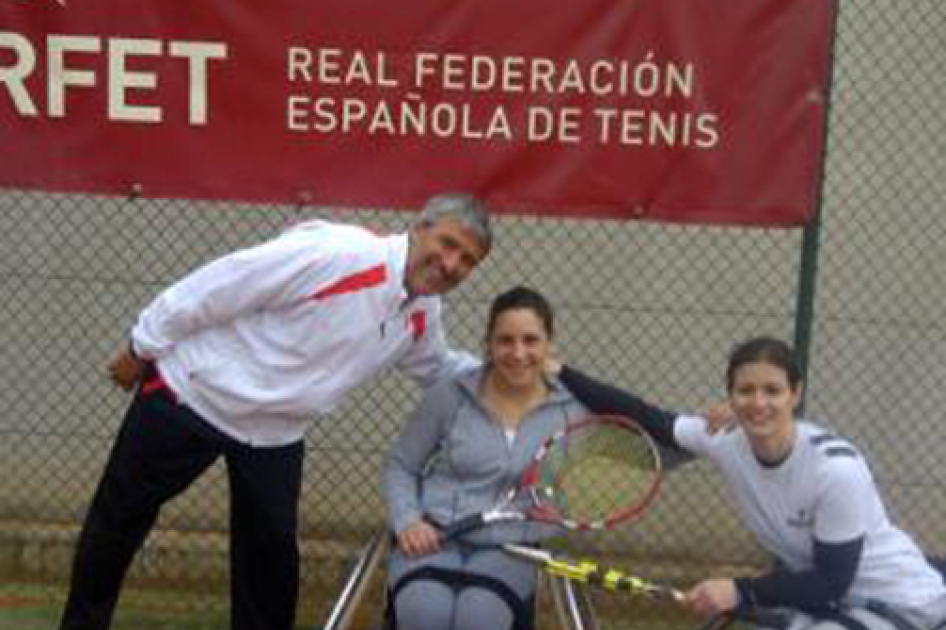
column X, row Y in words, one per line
column 463, row 526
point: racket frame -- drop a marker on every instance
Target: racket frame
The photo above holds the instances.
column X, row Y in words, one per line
column 540, row 509
column 543, row 511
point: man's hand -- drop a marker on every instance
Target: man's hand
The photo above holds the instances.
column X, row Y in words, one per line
column 125, row 368
column 711, row 597
column 419, row 539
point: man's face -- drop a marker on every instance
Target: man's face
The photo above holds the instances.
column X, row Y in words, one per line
column 441, row 256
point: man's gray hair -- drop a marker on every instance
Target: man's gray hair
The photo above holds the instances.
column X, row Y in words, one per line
column 462, row 207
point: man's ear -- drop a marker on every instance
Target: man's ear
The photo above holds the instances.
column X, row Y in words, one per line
column 420, row 226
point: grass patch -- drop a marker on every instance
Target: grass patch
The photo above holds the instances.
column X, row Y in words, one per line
column 38, row 607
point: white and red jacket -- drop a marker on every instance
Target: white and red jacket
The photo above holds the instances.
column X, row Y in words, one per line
column 261, row 340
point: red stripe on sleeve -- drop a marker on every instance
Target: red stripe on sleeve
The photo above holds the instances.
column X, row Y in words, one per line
column 355, row 282
column 418, row 324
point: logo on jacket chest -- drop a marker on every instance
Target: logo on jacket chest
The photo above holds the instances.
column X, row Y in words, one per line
column 801, row 519
column 415, row 324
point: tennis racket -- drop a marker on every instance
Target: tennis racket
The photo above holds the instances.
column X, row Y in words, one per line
column 614, row 579
column 593, row 574
column 596, row 473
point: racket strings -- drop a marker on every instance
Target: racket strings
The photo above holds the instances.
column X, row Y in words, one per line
column 599, row 472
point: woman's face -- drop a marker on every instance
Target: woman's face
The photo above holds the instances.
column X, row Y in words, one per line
column 517, row 348
column 763, row 400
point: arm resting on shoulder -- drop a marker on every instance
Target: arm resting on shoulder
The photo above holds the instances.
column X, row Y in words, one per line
column 606, row 399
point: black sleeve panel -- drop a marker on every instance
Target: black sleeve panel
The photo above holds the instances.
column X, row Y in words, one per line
column 605, row 399
column 817, row 590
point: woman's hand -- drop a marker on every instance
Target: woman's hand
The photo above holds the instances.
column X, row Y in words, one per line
column 711, row 597
column 719, row 417
column 419, row 539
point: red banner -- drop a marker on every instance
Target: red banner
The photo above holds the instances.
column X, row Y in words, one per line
column 669, row 110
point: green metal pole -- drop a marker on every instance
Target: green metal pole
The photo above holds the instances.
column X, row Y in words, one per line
column 811, row 243
column 805, row 305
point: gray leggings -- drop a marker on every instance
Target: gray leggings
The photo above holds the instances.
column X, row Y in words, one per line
column 430, row 604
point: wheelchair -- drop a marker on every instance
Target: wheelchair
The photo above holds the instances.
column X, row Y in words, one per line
column 571, row 602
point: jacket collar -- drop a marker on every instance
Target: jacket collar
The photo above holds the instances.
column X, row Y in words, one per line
column 470, row 383
column 398, row 247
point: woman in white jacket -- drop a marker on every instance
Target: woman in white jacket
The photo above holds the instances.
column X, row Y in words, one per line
column 807, row 495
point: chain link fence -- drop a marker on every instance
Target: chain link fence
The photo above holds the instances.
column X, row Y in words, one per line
column 653, row 307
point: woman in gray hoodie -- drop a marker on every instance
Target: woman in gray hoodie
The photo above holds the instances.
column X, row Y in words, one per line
column 466, row 443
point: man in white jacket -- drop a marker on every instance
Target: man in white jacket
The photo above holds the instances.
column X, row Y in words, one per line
column 235, row 359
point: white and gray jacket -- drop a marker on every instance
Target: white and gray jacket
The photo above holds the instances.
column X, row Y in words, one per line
column 453, row 459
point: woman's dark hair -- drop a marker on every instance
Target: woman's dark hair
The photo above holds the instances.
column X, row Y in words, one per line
column 764, row 350
column 521, row 298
